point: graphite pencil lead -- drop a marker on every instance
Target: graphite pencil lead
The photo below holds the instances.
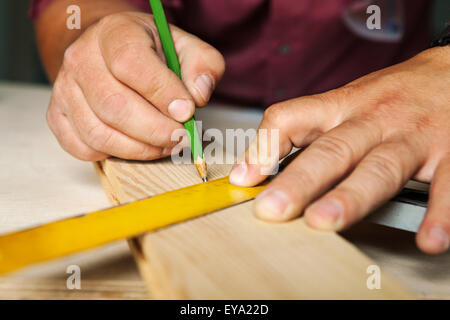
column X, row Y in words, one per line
column 200, row 164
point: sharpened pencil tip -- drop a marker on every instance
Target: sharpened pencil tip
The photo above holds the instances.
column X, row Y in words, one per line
column 200, row 164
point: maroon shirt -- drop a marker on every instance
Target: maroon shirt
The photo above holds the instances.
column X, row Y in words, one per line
column 280, row 49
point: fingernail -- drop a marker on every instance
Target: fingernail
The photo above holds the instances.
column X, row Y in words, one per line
column 326, row 214
column 181, row 110
column 237, row 175
column 272, row 205
column 439, row 238
column 204, row 85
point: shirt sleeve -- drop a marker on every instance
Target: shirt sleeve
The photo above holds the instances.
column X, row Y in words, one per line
column 38, row 6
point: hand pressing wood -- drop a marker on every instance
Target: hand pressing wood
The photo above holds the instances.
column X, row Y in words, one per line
column 231, row 255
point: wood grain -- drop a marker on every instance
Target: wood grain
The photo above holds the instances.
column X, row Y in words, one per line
column 231, row 255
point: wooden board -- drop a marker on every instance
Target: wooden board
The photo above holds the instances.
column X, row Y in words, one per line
column 231, row 255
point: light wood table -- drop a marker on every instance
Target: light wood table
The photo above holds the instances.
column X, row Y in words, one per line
column 39, row 183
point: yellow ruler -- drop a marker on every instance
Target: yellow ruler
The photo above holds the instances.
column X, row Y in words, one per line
column 60, row 238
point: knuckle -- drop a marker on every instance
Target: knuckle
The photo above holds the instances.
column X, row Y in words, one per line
column 303, row 179
column 158, row 133
column 123, row 61
column 334, row 147
column 273, row 114
column 379, row 112
column 127, row 65
column 55, row 127
column 58, row 88
column 156, row 89
column 127, row 61
column 114, row 110
column 107, row 21
column 385, row 167
column 72, row 57
column 336, row 97
column 98, row 138
column 382, row 108
column 108, row 139
column 211, row 54
column 50, row 117
column 53, row 111
column 220, row 67
column 110, row 22
column 297, row 181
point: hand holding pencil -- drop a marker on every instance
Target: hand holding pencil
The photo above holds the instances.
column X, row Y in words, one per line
column 115, row 95
column 174, row 65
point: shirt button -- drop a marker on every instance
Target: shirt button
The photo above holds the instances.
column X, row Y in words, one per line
column 284, row 49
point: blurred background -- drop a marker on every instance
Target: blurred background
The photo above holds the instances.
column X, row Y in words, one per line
column 19, row 59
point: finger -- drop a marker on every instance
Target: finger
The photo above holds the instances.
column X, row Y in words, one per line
column 202, row 66
column 125, row 110
column 68, row 139
column 297, row 122
column 313, row 172
column 378, row 177
column 102, row 137
column 434, row 233
column 129, row 54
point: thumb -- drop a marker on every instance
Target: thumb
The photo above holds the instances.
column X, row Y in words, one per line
column 297, row 123
column 202, row 66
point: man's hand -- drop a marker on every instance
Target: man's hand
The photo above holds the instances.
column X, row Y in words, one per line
column 114, row 94
column 366, row 140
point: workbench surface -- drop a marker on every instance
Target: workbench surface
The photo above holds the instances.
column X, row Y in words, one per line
column 39, row 183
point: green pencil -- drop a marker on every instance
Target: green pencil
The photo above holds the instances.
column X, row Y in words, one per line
column 173, row 64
